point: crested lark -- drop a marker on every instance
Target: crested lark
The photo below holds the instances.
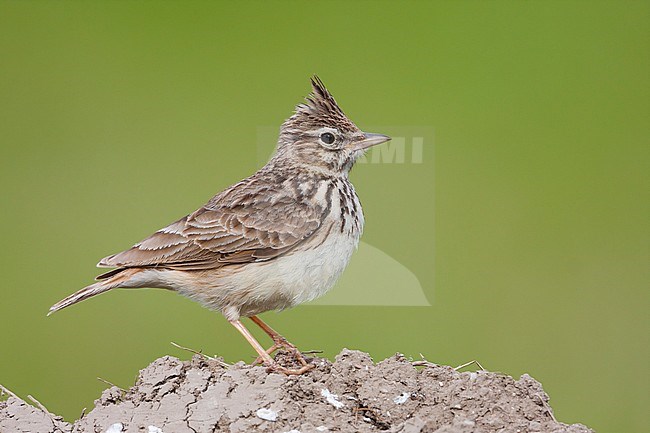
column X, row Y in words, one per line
column 274, row 240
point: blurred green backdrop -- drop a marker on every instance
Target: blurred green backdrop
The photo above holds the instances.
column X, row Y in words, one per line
column 525, row 223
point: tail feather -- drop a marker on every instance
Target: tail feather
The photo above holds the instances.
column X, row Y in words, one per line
column 85, row 293
column 118, row 280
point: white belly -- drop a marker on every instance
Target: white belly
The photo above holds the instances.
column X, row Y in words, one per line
column 307, row 275
column 292, row 279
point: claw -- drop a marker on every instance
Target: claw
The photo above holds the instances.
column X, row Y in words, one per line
column 289, row 348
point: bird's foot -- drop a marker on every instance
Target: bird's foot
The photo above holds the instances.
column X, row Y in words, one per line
column 293, row 352
column 288, row 354
column 279, row 342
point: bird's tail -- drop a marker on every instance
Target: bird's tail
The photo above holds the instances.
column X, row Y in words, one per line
column 94, row 289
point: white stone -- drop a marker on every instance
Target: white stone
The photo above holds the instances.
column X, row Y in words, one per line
column 332, row 399
column 402, row 398
column 115, row 428
column 267, row 414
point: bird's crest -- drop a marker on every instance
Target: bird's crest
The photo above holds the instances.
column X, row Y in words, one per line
column 320, row 109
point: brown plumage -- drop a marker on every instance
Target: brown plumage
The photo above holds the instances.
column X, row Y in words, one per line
column 276, row 239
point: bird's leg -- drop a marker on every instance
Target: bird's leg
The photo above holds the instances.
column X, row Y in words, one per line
column 263, row 355
column 279, row 342
column 278, row 339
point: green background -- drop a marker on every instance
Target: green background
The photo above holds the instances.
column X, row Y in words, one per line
column 526, row 223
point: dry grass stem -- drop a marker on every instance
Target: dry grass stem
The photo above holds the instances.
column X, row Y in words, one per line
column 40, row 406
column 467, row 364
column 110, row 383
column 198, row 352
column 4, row 391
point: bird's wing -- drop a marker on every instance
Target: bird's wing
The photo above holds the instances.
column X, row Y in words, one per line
column 240, row 225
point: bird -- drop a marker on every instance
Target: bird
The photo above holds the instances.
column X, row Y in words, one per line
column 276, row 239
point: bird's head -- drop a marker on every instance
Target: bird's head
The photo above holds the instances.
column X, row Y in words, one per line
column 320, row 135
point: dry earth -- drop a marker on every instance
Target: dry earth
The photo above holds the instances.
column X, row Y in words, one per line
column 350, row 395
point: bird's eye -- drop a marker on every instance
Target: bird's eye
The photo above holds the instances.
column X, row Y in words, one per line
column 327, row 137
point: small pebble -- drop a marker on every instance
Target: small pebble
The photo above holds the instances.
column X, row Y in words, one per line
column 332, row 399
column 401, row 399
column 115, row 428
column 267, row 414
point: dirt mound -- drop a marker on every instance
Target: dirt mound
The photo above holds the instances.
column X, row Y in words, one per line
column 350, row 395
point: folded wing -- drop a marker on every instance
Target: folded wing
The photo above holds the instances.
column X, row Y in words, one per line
column 243, row 224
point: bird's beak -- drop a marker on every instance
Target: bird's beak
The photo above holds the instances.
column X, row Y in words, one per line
column 369, row 139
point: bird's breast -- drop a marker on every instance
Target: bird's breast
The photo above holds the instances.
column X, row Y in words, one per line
column 310, row 271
